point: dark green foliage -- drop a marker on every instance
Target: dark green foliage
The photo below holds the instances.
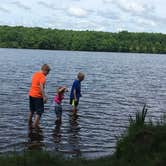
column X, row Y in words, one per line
column 143, row 143
column 40, row 158
column 139, row 117
column 39, row 38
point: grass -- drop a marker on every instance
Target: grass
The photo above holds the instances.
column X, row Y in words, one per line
column 143, row 144
column 41, row 158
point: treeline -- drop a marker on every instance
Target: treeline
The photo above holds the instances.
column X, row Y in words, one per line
column 54, row 39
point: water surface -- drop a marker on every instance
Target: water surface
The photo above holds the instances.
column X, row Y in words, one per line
column 116, row 86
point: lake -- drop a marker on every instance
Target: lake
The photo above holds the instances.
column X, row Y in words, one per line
column 116, row 86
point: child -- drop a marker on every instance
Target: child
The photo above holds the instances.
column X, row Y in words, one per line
column 76, row 92
column 37, row 96
column 57, row 100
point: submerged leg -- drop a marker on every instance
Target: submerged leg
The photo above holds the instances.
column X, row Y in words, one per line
column 37, row 120
column 30, row 118
column 58, row 117
column 58, row 121
column 74, row 104
column 74, row 110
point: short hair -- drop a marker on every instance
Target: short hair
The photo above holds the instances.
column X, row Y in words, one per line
column 45, row 67
column 80, row 75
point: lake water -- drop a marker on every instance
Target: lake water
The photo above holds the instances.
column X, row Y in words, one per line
column 116, row 86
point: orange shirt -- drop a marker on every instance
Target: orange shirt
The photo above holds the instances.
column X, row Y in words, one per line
column 37, row 79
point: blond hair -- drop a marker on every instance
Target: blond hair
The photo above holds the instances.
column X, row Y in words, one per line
column 80, row 75
column 45, row 67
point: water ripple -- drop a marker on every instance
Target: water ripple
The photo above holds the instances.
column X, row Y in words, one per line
column 115, row 86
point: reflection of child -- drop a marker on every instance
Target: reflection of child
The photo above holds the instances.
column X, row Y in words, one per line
column 57, row 100
column 76, row 91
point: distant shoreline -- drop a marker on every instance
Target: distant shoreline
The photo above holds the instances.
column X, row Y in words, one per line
column 36, row 49
column 68, row 40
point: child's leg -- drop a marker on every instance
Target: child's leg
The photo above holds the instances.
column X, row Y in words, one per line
column 30, row 118
column 58, row 120
column 58, row 111
column 74, row 104
column 74, row 110
column 37, row 121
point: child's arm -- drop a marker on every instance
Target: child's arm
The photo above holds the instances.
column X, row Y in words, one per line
column 43, row 93
column 75, row 96
column 63, row 89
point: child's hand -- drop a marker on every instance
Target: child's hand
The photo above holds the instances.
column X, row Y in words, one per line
column 62, row 89
column 66, row 90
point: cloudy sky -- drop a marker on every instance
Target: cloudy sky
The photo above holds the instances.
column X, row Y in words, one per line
column 98, row 15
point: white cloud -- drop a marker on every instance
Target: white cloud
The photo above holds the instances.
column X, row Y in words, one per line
column 109, row 14
column 106, row 15
column 145, row 22
column 77, row 12
column 133, row 7
column 120, row 29
column 137, row 14
column 21, row 5
column 46, row 4
column 107, row 1
column 4, row 9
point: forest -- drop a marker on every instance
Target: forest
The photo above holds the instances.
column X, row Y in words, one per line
column 55, row 39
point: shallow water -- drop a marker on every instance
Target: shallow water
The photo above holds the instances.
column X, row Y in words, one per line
column 116, row 86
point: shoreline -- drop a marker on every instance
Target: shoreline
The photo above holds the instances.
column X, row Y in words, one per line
column 97, row 41
column 142, row 144
column 36, row 49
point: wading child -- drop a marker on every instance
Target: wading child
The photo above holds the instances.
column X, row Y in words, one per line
column 76, row 92
column 57, row 101
column 37, row 96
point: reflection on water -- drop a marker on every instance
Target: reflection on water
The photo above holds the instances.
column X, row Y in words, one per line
column 57, row 136
column 35, row 138
column 73, row 136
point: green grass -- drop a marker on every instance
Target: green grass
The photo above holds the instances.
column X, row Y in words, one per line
column 143, row 144
column 40, row 158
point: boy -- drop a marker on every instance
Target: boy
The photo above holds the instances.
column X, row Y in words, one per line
column 76, row 92
column 37, row 96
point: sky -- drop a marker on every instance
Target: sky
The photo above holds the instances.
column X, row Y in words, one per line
column 95, row 15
